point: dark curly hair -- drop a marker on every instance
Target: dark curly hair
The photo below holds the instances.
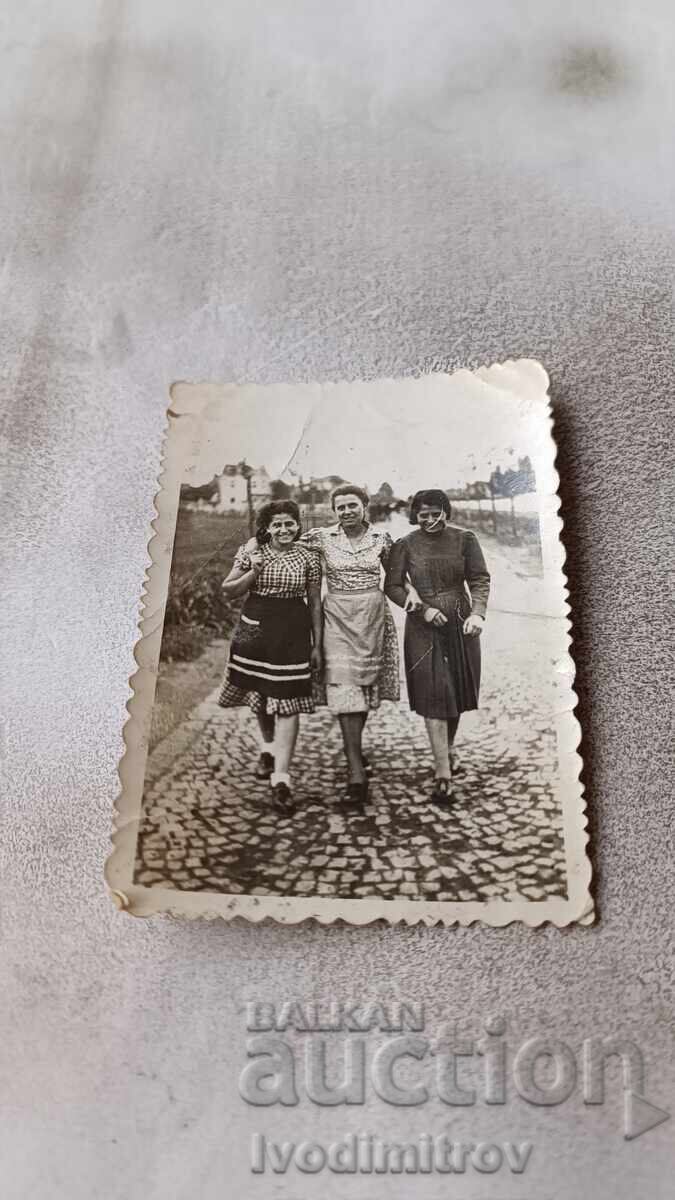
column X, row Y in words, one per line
column 265, row 515
column 433, row 498
column 350, row 489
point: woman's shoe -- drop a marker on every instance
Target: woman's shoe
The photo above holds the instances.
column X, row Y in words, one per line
column 356, row 793
column 282, row 799
column 442, row 794
column 264, row 766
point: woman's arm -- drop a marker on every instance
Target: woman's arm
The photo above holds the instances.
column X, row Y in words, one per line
column 316, row 617
column 477, row 577
column 476, row 574
column 412, row 602
column 244, row 573
column 397, row 571
column 399, row 587
column 238, row 583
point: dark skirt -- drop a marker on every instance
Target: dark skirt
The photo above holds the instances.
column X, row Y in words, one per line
column 269, row 652
column 442, row 664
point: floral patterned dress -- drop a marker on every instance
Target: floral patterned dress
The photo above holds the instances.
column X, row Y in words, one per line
column 359, row 637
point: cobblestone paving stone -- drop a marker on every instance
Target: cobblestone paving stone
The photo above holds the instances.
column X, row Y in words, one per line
column 207, row 823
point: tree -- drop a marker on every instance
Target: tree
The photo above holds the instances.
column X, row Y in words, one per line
column 526, row 472
column 497, row 483
column 513, row 483
column 280, row 490
column 205, row 491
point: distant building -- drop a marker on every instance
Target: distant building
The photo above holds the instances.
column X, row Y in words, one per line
column 232, row 488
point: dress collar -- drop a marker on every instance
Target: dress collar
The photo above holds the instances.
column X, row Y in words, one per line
column 369, row 535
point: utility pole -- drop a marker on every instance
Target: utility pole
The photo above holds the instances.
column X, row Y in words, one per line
column 247, row 472
column 494, row 506
column 299, row 500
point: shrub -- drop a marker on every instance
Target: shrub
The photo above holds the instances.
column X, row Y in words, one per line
column 196, row 611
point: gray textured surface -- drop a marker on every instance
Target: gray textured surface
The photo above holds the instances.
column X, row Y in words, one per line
column 293, row 191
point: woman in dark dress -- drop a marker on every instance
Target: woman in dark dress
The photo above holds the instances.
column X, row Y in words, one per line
column 438, row 574
column 277, row 643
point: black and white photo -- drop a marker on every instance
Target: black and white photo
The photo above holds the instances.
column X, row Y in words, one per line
column 355, row 691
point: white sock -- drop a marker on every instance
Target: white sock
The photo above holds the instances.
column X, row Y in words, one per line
column 280, row 777
column 266, row 747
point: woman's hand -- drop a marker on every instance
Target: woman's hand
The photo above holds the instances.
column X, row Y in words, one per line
column 413, row 600
column 316, row 660
column 251, row 545
column 434, row 616
column 255, row 556
column 473, row 626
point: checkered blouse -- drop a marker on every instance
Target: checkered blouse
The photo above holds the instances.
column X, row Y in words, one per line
column 285, row 575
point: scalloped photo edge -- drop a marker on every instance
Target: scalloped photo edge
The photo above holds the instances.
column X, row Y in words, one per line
column 457, row 423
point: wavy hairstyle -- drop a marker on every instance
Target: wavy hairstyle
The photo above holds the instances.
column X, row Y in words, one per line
column 433, row 498
column 265, row 515
column 350, row 489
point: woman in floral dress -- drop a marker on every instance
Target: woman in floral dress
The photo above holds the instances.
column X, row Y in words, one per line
column 360, row 646
column 277, row 643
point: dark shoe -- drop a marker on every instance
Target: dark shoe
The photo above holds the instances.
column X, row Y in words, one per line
column 264, row 766
column 356, row 793
column 442, row 793
column 282, row 800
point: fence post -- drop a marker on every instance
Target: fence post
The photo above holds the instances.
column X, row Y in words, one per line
column 494, row 509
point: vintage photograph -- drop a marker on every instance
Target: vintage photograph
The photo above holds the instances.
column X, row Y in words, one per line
column 355, row 690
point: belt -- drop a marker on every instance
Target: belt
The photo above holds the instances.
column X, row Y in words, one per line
column 353, row 591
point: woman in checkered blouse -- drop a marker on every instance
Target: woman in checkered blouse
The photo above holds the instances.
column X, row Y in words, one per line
column 277, row 642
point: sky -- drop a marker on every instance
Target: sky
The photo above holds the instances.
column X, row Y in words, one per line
column 435, row 431
column 409, row 443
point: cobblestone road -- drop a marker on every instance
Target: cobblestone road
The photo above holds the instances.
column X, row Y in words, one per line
column 207, row 824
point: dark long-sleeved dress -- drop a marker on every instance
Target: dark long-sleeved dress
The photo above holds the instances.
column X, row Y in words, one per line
column 442, row 664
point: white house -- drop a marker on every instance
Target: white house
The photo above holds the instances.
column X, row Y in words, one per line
column 232, row 493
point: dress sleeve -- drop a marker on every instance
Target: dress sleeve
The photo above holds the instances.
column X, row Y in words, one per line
column 311, row 539
column 241, row 559
column 313, row 567
column 397, row 569
column 387, row 544
column 476, row 574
